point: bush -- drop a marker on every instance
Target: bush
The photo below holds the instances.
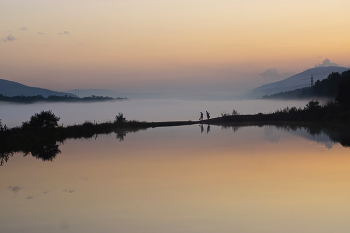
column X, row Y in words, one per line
column 234, row 112
column 2, row 127
column 120, row 118
column 44, row 119
column 313, row 105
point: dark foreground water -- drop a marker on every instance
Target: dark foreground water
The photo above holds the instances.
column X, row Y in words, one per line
column 183, row 179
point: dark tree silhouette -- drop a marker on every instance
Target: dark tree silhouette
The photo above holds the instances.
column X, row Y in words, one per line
column 344, row 92
column 313, row 105
column 44, row 119
column 120, row 118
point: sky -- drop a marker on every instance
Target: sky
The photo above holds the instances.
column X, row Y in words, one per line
column 138, row 44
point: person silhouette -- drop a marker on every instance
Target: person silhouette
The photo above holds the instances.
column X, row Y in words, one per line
column 201, row 118
column 208, row 114
column 208, row 128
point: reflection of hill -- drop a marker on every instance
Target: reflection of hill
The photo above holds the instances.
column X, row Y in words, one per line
column 316, row 132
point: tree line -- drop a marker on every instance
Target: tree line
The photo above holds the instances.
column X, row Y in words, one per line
column 54, row 98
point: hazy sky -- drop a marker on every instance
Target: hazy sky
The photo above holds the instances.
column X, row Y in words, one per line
column 66, row 44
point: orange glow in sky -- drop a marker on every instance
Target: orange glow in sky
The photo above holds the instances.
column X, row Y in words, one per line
column 85, row 44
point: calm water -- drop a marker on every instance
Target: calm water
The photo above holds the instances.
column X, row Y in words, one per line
column 143, row 110
column 242, row 179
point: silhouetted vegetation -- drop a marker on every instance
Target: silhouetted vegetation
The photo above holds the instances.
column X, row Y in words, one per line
column 53, row 98
column 326, row 88
column 41, row 136
column 344, row 92
column 331, row 112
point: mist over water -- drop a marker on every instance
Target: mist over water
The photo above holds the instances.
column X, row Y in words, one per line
column 139, row 109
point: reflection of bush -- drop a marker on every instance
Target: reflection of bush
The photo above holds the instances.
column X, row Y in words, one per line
column 41, row 136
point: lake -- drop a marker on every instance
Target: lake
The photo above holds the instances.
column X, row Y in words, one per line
column 183, row 179
column 138, row 109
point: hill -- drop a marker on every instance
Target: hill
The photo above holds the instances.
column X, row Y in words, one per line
column 97, row 92
column 297, row 81
column 326, row 88
column 10, row 88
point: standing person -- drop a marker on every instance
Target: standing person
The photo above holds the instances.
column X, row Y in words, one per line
column 201, row 118
column 208, row 114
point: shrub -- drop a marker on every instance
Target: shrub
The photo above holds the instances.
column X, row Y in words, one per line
column 313, row 105
column 44, row 119
column 2, row 127
column 234, row 112
column 120, row 118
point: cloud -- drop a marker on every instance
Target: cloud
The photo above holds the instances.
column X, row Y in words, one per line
column 9, row 38
column 30, row 197
column 326, row 62
column 46, row 192
column 63, row 33
column 274, row 75
column 69, row 191
column 40, row 33
column 14, row 189
column 23, row 29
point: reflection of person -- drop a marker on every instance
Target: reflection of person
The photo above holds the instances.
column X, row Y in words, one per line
column 202, row 129
column 201, row 118
column 208, row 129
column 208, row 114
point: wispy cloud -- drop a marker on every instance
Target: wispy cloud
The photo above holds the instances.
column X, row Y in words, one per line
column 326, row 62
column 9, row 38
column 69, row 191
column 14, row 189
column 40, row 33
column 273, row 75
column 63, row 33
column 30, row 197
column 23, row 29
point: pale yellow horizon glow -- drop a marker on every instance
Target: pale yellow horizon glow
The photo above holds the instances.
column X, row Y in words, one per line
column 152, row 40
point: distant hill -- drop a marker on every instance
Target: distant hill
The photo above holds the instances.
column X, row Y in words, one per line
column 326, row 88
column 10, row 88
column 297, row 81
column 107, row 93
column 97, row 92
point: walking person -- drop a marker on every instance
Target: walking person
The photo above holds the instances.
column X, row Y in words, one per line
column 201, row 118
column 208, row 115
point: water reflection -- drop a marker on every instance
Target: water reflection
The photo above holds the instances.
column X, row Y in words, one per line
column 48, row 149
column 177, row 179
column 334, row 133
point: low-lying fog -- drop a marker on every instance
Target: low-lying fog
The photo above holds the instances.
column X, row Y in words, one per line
column 142, row 110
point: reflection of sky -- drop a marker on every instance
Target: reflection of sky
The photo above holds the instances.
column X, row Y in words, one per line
column 180, row 180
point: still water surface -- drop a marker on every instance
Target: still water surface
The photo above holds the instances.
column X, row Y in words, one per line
column 139, row 109
column 179, row 179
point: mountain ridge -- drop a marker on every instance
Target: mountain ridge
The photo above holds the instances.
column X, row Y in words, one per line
column 297, row 81
column 11, row 88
